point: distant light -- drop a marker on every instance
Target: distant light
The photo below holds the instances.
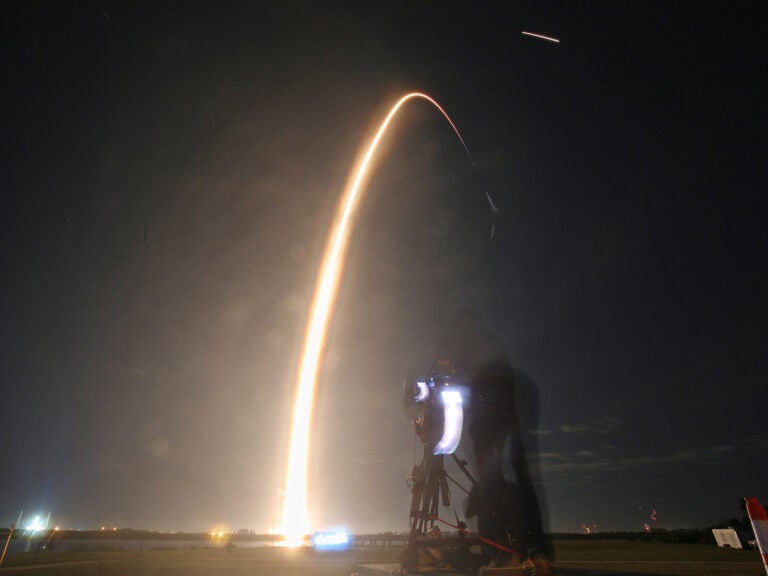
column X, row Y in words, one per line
column 453, row 422
column 330, row 540
column 548, row 38
column 36, row 525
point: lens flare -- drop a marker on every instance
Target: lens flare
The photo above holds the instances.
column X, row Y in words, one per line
column 453, row 422
column 423, row 391
column 296, row 523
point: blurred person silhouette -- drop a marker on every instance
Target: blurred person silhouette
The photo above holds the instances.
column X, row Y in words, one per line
column 503, row 414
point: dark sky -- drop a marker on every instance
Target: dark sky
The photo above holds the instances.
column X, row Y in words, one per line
column 168, row 176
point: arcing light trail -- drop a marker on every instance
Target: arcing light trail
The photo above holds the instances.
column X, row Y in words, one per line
column 295, row 516
column 542, row 37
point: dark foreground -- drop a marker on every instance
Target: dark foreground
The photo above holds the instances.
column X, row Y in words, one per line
column 593, row 558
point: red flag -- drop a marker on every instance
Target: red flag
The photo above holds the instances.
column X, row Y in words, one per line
column 759, row 520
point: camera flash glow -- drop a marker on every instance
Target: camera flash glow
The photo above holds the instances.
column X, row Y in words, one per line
column 453, row 422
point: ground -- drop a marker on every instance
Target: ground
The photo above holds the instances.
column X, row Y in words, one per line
column 575, row 558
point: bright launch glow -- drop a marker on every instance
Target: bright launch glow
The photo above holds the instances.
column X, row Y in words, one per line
column 423, row 391
column 37, row 525
column 453, row 422
column 295, row 516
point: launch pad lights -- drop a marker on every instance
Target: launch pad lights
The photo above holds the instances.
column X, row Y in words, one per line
column 330, row 540
column 37, row 525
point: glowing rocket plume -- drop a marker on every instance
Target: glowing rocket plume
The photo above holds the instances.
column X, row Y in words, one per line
column 295, row 517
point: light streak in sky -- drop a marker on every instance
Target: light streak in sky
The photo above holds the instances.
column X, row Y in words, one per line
column 295, row 515
column 541, row 36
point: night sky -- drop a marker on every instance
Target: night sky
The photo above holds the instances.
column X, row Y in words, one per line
column 168, row 177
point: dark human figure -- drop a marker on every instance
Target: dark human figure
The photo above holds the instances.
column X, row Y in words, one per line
column 502, row 414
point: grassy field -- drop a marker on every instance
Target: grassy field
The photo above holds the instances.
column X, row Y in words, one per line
column 575, row 556
column 197, row 562
column 657, row 558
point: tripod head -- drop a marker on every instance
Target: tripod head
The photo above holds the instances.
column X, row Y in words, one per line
column 440, row 419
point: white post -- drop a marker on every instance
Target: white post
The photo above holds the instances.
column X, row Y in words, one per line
column 8, row 541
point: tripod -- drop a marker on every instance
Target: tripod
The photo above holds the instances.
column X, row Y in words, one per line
column 429, row 490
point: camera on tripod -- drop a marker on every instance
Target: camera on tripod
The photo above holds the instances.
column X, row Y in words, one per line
column 440, row 420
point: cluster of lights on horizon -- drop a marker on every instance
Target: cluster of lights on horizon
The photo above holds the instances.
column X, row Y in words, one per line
column 295, row 521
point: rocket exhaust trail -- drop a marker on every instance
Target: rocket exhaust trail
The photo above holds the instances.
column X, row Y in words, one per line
column 295, row 521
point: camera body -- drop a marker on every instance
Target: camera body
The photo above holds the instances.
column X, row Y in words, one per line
column 440, row 418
